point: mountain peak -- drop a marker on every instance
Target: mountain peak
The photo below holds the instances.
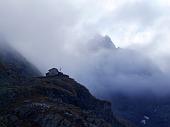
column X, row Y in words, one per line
column 99, row 42
column 104, row 41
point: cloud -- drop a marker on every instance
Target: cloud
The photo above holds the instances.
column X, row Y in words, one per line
column 118, row 70
column 63, row 34
column 39, row 28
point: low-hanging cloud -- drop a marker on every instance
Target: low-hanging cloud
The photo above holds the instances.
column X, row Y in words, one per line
column 66, row 34
column 109, row 70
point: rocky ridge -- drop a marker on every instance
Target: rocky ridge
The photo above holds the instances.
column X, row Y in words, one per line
column 54, row 101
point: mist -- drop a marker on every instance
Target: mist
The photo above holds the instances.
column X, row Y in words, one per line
column 71, row 35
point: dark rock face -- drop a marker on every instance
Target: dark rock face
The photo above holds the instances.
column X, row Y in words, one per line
column 54, row 101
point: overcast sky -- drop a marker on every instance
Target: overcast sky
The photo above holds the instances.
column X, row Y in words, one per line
column 53, row 33
column 127, row 22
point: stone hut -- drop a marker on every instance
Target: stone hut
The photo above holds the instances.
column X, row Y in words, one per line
column 52, row 72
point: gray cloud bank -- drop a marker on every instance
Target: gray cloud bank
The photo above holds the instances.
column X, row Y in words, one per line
column 106, row 70
column 66, row 34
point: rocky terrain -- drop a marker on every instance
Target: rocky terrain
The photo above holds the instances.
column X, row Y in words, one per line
column 53, row 101
column 28, row 99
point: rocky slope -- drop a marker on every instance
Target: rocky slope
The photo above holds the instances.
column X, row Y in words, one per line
column 30, row 100
column 54, row 101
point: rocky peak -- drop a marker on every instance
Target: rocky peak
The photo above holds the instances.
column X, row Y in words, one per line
column 99, row 42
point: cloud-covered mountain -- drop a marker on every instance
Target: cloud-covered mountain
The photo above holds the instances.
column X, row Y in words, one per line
column 137, row 87
column 112, row 73
column 28, row 99
column 62, row 34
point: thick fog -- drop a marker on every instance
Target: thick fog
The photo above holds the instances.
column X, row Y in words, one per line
column 71, row 35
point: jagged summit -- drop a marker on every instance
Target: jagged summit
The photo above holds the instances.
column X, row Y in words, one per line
column 101, row 42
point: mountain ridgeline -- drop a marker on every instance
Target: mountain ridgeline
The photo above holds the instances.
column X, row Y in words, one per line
column 28, row 99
